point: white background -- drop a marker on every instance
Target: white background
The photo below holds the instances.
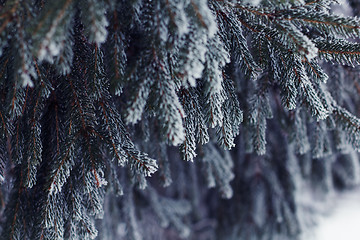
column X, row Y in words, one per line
column 343, row 221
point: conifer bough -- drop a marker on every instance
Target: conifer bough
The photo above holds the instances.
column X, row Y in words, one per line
column 97, row 95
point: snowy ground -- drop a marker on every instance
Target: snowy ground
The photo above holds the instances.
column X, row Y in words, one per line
column 343, row 221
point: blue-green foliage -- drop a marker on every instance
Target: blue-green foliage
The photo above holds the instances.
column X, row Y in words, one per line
column 97, row 95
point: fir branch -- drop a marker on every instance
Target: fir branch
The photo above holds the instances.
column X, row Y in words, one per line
column 232, row 118
column 62, row 172
column 314, row 69
column 171, row 112
column 111, row 138
column 122, row 145
column 349, row 123
column 339, row 51
column 239, row 45
column 95, row 21
column 289, row 90
column 118, row 55
column 189, row 146
column 326, row 23
column 170, row 66
column 297, row 41
column 24, row 64
column 51, row 28
column 139, row 99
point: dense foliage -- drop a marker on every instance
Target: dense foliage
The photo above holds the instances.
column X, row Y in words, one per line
column 99, row 95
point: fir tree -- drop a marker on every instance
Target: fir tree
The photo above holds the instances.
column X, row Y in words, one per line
column 117, row 112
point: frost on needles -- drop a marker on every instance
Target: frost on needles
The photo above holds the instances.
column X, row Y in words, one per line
column 117, row 117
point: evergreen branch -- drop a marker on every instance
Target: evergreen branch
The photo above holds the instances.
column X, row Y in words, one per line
column 52, row 225
column 26, row 69
column 288, row 90
column 339, row 51
column 278, row 37
column 259, row 112
column 168, row 61
column 172, row 113
column 226, row 138
column 331, row 23
column 312, row 68
column 118, row 55
column 95, row 21
column 309, row 95
column 297, row 42
column 213, row 86
column 349, row 123
column 92, row 161
column 348, row 27
column 136, row 106
column 314, row 2
column 232, row 118
column 86, row 125
column 297, row 77
column 48, row 24
column 54, row 180
column 138, row 159
column 240, row 44
column 78, row 105
column 248, row 26
column 117, row 72
column 25, row 101
column 140, row 164
column 263, row 12
column 35, row 145
column 108, row 127
column 16, row 112
column 188, row 147
column 34, row 159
